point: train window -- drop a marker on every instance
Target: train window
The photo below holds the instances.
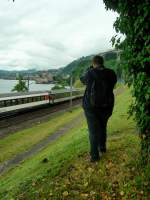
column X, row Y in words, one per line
column 2, row 104
column 39, row 98
column 14, row 102
column 20, row 101
column 30, row 99
column 8, row 103
column 25, row 100
column 43, row 98
column 36, row 98
column 5, row 103
column 33, row 99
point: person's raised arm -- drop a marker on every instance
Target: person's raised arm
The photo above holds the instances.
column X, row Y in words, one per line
column 84, row 77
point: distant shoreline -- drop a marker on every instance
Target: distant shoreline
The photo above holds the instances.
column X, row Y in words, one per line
column 6, row 85
column 14, row 79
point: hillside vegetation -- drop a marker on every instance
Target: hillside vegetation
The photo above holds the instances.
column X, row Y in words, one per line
column 79, row 66
column 80, row 69
column 61, row 76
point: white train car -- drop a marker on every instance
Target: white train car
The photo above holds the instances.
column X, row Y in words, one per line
column 66, row 95
column 12, row 102
column 16, row 101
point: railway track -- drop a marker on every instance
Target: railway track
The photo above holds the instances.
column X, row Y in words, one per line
column 25, row 119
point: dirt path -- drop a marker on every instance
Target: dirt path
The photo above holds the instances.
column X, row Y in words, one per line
column 5, row 166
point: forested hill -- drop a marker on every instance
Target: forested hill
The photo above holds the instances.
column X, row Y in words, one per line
column 77, row 67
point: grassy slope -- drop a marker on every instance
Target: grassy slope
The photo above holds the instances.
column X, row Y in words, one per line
column 23, row 140
column 75, row 178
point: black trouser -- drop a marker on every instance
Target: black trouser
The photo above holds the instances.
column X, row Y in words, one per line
column 97, row 125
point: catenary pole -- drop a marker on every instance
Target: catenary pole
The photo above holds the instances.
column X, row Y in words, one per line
column 71, row 87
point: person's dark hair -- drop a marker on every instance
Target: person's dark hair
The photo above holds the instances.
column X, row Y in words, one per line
column 98, row 60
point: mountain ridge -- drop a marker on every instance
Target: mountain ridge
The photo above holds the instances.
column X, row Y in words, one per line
column 76, row 67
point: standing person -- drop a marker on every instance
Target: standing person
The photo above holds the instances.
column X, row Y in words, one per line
column 98, row 103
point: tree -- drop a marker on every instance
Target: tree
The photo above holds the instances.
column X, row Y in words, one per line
column 21, row 85
column 133, row 22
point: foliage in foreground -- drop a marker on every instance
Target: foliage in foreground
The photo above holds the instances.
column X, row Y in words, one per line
column 133, row 22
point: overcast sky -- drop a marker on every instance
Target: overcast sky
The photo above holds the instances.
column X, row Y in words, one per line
column 45, row 34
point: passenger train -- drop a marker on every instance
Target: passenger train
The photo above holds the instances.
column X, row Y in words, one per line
column 11, row 102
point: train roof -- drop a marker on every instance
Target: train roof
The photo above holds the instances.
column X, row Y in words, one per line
column 21, row 94
column 7, row 96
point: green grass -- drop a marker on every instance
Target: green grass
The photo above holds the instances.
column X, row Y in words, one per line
column 68, row 173
column 78, row 84
column 114, row 175
column 119, row 85
column 23, row 140
column 58, row 154
column 120, row 122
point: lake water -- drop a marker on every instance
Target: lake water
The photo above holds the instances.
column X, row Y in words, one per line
column 7, row 85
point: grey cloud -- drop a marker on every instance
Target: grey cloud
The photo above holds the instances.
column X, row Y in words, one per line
column 50, row 33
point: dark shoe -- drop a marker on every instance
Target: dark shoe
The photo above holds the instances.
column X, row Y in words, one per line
column 103, row 150
column 94, row 159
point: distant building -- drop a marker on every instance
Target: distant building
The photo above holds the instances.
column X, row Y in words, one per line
column 44, row 77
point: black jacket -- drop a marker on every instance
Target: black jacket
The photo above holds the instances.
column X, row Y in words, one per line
column 87, row 79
